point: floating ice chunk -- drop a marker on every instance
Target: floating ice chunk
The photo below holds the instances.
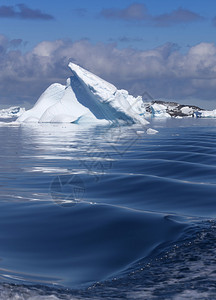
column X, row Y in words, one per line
column 11, row 112
column 140, row 132
column 206, row 114
column 151, row 131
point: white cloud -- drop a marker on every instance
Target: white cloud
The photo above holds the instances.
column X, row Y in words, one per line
column 163, row 72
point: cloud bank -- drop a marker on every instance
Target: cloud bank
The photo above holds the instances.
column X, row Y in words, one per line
column 163, row 72
column 139, row 12
column 22, row 11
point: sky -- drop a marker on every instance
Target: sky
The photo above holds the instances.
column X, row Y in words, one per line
column 159, row 49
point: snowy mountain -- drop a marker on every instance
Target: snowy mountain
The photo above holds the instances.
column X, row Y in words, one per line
column 11, row 112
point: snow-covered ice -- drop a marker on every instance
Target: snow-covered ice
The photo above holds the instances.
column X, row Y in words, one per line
column 159, row 111
column 11, row 112
column 50, row 97
column 85, row 98
column 187, row 110
column 151, row 131
column 88, row 98
column 206, row 114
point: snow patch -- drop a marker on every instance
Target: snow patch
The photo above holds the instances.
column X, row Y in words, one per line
column 187, row 110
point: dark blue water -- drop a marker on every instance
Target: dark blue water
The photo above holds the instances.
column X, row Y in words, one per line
column 108, row 212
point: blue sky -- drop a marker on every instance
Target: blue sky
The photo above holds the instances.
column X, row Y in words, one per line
column 173, row 40
column 82, row 19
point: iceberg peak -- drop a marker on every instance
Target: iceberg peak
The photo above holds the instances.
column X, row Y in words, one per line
column 97, row 85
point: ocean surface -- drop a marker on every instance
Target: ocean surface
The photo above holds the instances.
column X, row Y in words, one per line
column 108, row 211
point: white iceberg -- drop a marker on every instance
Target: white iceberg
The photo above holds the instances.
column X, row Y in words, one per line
column 205, row 114
column 11, row 112
column 151, row 131
column 85, row 98
column 159, row 111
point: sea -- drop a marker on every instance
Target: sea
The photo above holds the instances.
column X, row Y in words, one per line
column 108, row 212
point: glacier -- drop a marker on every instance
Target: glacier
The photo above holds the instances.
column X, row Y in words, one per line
column 85, row 98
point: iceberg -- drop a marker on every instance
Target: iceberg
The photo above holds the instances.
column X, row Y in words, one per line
column 205, row 114
column 11, row 112
column 159, row 111
column 151, row 131
column 85, row 98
